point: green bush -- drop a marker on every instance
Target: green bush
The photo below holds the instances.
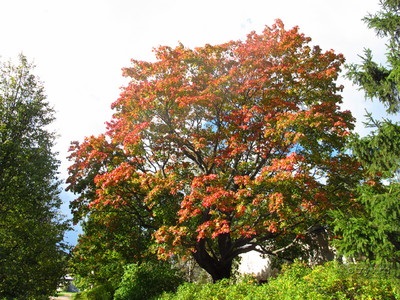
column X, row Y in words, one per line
column 80, row 296
column 298, row 281
column 290, row 284
column 223, row 289
column 101, row 292
column 332, row 281
column 146, row 281
column 353, row 281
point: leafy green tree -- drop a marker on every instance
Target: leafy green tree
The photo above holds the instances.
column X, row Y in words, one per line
column 147, row 281
column 31, row 230
column 109, row 242
column 372, row 229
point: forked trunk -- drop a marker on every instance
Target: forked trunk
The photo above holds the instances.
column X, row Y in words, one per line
column 218, row 268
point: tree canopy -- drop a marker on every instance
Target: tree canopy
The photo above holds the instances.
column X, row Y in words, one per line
column 31, row 229
column 223, row 149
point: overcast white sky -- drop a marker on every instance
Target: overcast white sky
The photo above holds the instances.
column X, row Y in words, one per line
column 80, row 46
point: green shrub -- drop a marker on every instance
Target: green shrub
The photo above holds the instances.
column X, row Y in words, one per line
column 290, row 284
column 80, row 296
column 332, row 281
column 353, row 281
column 298, row 281
column 223, row 289
column 101, row 292
column 146, row 281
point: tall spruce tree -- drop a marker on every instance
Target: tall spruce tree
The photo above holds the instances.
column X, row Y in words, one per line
column 373, row 229
column 31, row 229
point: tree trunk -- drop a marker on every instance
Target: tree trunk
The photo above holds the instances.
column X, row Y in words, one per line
column 217, row 268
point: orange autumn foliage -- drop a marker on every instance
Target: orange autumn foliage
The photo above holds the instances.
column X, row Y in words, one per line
column 231, row 143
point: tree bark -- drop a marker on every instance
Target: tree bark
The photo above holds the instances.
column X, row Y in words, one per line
column 218, row 268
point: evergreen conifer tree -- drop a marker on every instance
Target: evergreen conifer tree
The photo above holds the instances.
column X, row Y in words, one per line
column 372, row 230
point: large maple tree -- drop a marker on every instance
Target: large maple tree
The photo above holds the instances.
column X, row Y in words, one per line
column 223, row 149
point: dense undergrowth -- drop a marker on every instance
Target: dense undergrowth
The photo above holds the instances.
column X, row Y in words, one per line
column 330, row 281
column 297, row 281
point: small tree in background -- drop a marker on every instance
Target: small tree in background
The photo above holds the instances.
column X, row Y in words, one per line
column 109, row 243
column 32, row 254
column 147, row 281
column 220, row 150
